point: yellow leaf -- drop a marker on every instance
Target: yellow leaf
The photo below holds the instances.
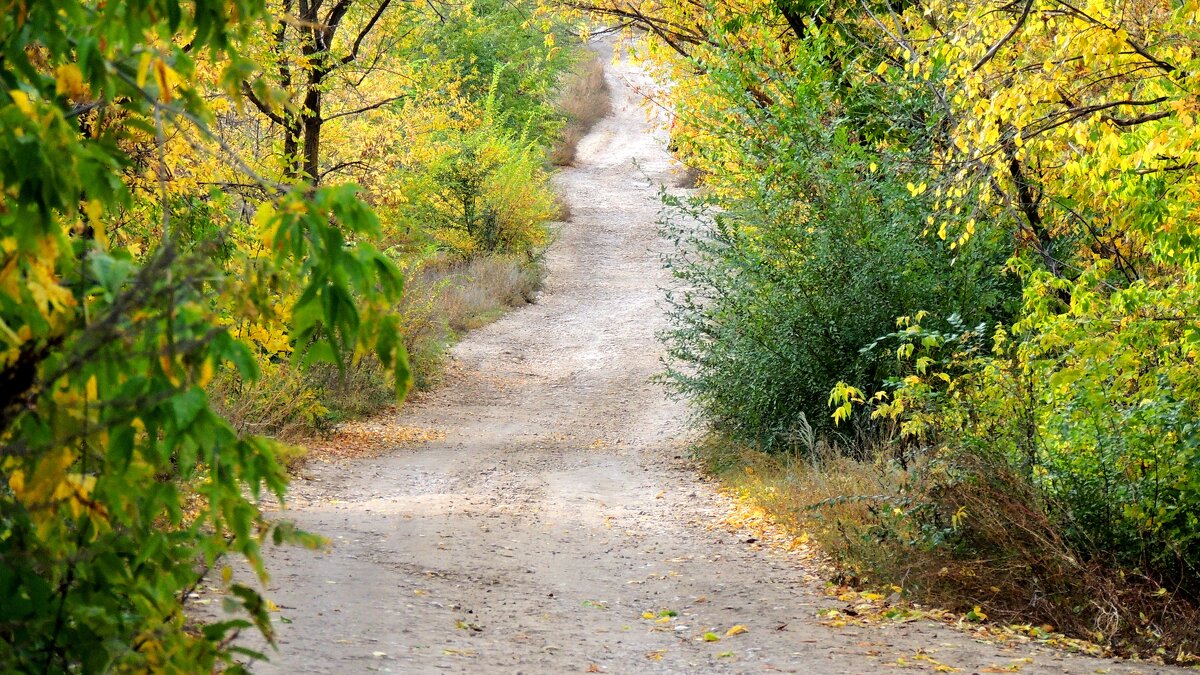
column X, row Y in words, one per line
column 206, row 373
column 93, row 209
column 68, row 81
column 165, row 78
column 16, row 481
column 143, row 69
column 21, row 100
column 736, row 630
column 264, row 221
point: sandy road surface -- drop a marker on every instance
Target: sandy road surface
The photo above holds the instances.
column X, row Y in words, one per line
column 556, row 510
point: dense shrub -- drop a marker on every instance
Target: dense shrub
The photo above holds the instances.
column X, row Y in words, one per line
column 1042, row 377
column 121, row 483
column 786, row 281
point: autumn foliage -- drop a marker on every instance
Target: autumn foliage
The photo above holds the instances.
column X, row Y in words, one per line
column 207, row 218
column 967, row 230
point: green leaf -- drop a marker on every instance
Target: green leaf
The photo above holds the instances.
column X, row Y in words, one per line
column 188, row 405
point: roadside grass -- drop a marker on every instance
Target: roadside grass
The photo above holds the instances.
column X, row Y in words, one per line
column 281, row 403
column 445, row 296
column 960, row 534
column 585, row 99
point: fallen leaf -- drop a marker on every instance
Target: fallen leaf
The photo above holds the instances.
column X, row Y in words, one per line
column 736, row 630
column 711, row 637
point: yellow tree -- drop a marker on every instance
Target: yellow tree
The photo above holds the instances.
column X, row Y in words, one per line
column 318, row 49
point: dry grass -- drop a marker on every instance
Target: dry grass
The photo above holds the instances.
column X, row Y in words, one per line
column 562, row 210
column 280, row 403
column 688, row 178
column 444, row 298
column 958, row 534
column 447, row 296
column 585, row 99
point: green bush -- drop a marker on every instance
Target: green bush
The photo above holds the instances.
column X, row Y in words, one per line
column 121, row 484
column 782, row 286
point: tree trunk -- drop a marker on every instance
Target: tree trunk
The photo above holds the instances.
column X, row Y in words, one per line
column 312, row 131
column 292, row 133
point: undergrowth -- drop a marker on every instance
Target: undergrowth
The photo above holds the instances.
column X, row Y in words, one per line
column 445, row 296
column 959, row 531
column 584, row 99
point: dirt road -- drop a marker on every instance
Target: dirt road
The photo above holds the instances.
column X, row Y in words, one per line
column 557, row 508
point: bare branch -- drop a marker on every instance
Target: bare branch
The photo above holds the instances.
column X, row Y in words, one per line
column 343, row 165
column 362, row 34
column 262, row 106
column 377, row 104
column 1007, row 36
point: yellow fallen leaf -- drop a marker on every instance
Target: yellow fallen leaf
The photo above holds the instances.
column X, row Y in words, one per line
column 647, row 615
column 736, row 630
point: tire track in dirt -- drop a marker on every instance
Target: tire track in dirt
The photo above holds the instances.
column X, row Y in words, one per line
column 557, row 509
